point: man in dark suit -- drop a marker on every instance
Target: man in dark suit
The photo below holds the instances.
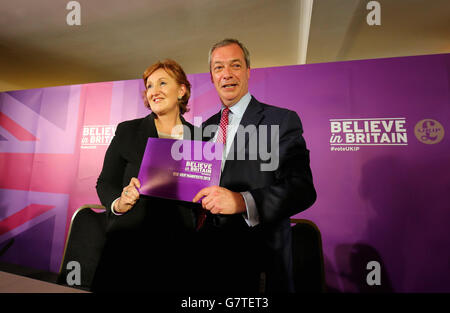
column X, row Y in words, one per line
column 246, row 234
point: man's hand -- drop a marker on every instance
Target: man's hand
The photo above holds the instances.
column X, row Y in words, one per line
column 219, row 200
column 129, row 196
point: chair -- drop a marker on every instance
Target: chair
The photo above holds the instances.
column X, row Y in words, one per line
column 308, row 266
column 84, row 243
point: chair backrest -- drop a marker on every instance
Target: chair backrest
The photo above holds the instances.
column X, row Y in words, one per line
column 84, row 243
column 309, row 273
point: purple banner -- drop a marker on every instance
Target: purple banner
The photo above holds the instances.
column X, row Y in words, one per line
column 179, row 169
column 377, row 131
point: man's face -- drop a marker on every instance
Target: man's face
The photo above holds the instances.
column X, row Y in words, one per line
column 229, row 73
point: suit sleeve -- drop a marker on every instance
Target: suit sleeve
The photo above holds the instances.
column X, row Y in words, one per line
column 293, row 189
column 109, row 183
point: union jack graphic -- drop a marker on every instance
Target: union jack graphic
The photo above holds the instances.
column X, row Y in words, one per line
column 45, row 176
column 37, row 142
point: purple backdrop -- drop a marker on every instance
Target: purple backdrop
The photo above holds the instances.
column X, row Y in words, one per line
column 379, row 155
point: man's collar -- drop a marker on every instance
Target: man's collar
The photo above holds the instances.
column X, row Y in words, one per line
column 239, row 108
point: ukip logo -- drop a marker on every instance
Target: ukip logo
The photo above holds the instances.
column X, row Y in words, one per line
column 429, row 131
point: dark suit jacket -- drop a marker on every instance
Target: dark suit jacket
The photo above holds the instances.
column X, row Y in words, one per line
column 278, row 194
column 144, row 245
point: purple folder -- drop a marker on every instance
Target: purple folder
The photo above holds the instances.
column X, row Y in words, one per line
column 178, row 169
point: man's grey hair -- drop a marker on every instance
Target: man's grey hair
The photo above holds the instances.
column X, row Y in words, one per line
column 227, row 42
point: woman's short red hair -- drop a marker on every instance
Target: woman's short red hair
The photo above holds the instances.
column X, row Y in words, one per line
column 176, row 72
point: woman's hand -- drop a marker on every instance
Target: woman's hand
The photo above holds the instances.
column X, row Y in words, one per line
column 129, row 196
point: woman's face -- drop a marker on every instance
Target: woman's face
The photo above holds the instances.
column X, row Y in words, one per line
column 163, row 92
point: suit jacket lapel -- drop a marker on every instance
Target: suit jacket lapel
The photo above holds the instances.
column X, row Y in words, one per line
column 252, row 116
column 253, row 113
column 191, row 130
column 147, row 129
column 212, row 122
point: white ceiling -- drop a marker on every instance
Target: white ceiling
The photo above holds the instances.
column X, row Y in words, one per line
column 118, row 39
column 339, row 30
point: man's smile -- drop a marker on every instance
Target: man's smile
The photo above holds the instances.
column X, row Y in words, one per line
column 229, row 85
